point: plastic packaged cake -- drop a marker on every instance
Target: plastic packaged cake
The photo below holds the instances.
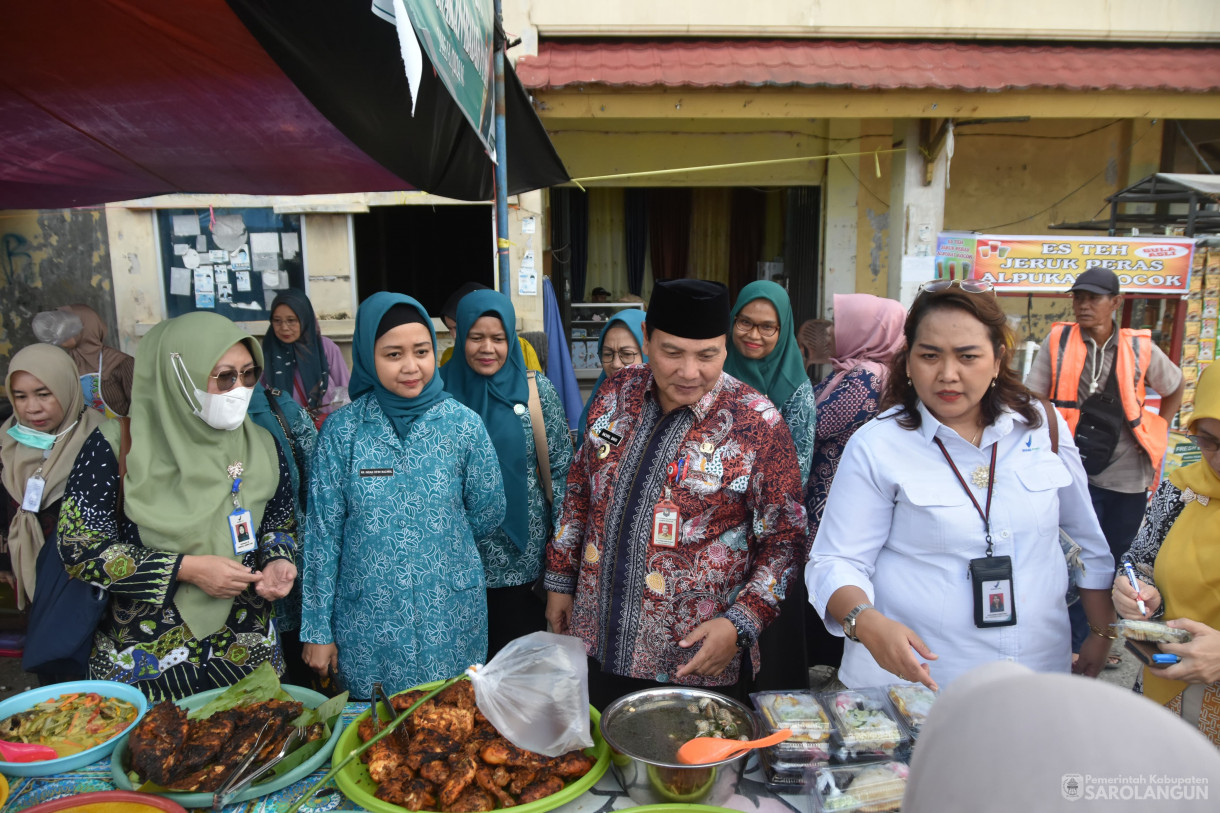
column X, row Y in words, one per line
column 1153, row 631
column 873, row 788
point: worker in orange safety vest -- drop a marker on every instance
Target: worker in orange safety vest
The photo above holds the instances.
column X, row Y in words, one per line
column 1097, row 375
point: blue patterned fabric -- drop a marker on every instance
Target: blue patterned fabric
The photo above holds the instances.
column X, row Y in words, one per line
column 505, row 564
column 392, row 572
column 297, row 444
column 800, row 413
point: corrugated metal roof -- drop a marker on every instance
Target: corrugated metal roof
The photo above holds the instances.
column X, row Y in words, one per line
column 868, row 65
column 1207, row 184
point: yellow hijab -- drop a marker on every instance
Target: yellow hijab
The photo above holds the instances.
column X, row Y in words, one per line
column 1189, row 557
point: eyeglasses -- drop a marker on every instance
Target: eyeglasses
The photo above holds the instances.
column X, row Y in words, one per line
column 744, row 325
column 627, row 356
column 228, row 379
column 1206, row 443
column 970, row 286
column 288, row 321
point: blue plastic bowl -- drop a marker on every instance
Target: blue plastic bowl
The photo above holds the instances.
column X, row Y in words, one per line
column 27, row 700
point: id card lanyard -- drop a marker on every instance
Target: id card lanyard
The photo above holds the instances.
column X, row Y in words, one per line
column 666, row 519
column 991, row 576
column 241, row 523
column 31, row 500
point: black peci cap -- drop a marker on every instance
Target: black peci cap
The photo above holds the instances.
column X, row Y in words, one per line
column 689, row 308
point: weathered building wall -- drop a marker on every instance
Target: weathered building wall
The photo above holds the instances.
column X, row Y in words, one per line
column 48, row 259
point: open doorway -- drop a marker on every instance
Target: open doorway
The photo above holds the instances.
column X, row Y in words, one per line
column 423, row 251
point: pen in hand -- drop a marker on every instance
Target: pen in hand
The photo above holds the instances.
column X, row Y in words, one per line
column 1130, row 571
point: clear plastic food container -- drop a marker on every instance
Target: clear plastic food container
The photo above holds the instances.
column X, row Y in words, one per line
column 873, row 788
column 866, row 726
column 912, row 701
column 800, row 712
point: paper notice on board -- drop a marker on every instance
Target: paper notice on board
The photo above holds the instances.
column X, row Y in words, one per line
column 221, row 273
column 205, row 300
column 201, row 244
column 527, row 282
column 180, row 249
column 267, row 242
column 180, row 282
column 218, row 255
column 186, row 225
column 527, row 259
column 242, row 278
column 528, row 225
column 224, row 293
column 203, row 280
column 291, row 243
column 268, row 298
column 241, row 259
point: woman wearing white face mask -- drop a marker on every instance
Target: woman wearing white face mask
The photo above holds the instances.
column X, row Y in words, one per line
column 38, row 446
column 191, row 588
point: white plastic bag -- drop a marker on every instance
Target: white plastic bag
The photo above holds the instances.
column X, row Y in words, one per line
column 535, row 691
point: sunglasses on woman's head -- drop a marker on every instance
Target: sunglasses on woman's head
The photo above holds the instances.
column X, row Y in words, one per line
column 228, row 379
column 970, row 286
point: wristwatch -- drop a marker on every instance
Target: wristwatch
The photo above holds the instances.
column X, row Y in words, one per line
column 849, row 621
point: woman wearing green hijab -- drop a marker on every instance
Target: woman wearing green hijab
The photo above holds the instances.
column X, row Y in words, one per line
column 764, row 353
column 195, row 541
column 488, row 375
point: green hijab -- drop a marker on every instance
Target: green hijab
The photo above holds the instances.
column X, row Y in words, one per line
column 177, row 489
column 782, row 371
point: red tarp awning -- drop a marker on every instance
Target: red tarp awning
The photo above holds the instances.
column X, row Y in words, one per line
column 872, row 65
column 104, row 100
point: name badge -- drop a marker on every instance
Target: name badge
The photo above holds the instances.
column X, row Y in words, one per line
column 610, row 437
column 376, row 472
column 241, row 529
column 32, row 501
column 665, row 521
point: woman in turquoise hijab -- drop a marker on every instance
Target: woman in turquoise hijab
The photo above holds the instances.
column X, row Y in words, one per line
column 764, row 354
column 488, row 374
column 404, row 479
column 618, row 347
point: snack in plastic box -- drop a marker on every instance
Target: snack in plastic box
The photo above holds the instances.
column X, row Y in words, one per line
column 913, row 701
column 875, row 788
column 1153, row 631
column 864, row 722
column 800, row 712
column 789, row 778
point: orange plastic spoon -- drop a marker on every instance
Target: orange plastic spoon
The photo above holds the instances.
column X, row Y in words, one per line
column 704, row 750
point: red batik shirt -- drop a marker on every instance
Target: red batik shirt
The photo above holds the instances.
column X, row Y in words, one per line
column 741, row 530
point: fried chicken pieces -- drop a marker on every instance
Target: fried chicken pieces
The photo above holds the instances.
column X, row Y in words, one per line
column 450, row 758
column 198, row 755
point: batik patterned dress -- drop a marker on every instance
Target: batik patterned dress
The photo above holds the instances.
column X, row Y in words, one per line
column 142, row 639
column 392, row 572
column 854, row 402
column 800, row 413
column 742, row 522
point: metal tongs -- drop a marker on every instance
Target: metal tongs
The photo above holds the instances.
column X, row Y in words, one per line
column 243, row 777
column 379, row 694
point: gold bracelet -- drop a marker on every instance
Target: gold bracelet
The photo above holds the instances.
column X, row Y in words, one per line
column 1096, row 630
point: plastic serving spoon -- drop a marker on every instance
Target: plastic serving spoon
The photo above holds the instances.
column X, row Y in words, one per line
column 26, row 752
column 703, row 750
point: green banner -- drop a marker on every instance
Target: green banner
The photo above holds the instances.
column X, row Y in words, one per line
column 458, row 36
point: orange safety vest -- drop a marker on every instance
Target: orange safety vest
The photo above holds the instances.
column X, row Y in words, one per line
column 1068, row 355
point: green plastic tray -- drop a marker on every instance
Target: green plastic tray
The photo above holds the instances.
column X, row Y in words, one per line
column 356, row 784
